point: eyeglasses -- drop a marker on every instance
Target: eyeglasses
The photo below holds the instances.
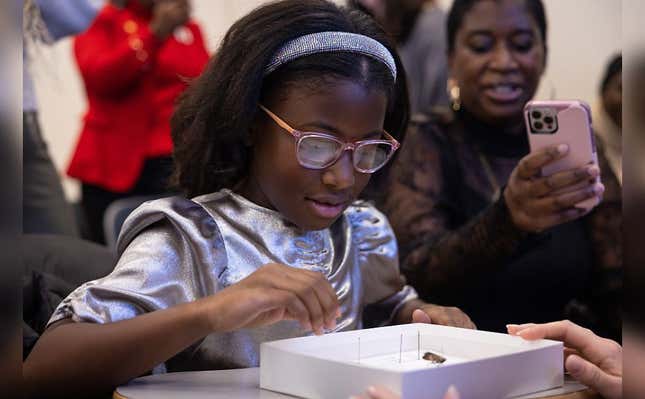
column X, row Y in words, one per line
column 316, row 150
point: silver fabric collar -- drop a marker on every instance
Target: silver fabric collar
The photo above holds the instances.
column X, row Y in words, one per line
column 322, row 42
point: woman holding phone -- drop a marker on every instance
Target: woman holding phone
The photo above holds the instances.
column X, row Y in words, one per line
column 477, row 224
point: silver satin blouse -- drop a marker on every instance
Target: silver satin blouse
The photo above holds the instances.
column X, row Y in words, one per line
column 176, row 250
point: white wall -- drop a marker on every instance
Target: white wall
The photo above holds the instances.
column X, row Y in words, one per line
column 583, row 34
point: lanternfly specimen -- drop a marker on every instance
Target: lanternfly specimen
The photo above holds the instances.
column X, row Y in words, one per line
column 433, row 357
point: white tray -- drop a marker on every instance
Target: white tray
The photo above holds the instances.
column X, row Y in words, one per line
column 481, row 364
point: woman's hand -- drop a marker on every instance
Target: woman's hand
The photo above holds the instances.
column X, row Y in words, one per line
column 272, row 293
column 381, row 392
column 594, row 361
column 168, row 15
column 533, row 201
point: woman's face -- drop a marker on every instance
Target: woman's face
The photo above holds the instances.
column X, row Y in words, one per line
column 612, row 98
column 312, row 199
column 497, row 60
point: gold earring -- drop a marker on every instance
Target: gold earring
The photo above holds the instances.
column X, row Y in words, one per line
column 453, row 92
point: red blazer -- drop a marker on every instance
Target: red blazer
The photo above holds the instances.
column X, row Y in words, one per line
column 131, row 80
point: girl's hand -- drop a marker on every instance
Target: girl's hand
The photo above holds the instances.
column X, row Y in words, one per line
column 443, row 315
column 272, row 293
column 594, row 361
column 381, row 392
column 531, row 200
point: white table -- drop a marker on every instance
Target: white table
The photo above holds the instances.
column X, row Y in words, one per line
column 243, row 384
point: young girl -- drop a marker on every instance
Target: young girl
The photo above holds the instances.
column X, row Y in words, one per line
column 274, row 143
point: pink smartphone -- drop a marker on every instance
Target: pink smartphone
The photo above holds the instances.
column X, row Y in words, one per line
column 563, row 122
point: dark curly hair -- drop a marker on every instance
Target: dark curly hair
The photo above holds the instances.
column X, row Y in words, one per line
column 211, row 125
column 461, row 7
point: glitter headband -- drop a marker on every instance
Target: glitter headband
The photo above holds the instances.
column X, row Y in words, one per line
column 324, row 42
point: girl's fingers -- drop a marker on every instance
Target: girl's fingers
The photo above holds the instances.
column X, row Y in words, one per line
column 295, row 309
column 289, row 279
column 330, row 304
column 326, row 296
column 312, row 287
column 445, row 315
column 420, row 316
column 308, row 296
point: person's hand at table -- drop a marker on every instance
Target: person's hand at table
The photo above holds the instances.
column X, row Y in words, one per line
column 594, row 361
column 417, row 311
column 381, row 392
column 442, row 315
column 537, row 203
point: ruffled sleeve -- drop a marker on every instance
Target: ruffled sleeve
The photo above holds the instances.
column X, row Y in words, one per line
column 171, row 252
column 384, row 288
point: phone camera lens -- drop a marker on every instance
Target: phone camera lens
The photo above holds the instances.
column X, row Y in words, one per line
column 548, row 119
column 536, row 114
column 538, row 125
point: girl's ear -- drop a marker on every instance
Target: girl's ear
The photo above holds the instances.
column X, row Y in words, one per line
column 251, row 136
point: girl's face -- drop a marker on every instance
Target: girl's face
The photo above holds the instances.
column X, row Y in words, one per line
column 497, row 60
column 312, row 199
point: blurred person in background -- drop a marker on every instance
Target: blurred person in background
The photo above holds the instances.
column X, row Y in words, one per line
column 135, row 59
column 601, row 308
column 634, row 207
column 608, row 116
column 477, row 226
column 55, row 260
column 45, row 209
column 418, row 28
column 10, row 229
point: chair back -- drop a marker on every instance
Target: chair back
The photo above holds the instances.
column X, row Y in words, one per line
column 117, row 212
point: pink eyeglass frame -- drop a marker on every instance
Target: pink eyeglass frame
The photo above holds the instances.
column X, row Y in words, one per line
column 299, row 135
